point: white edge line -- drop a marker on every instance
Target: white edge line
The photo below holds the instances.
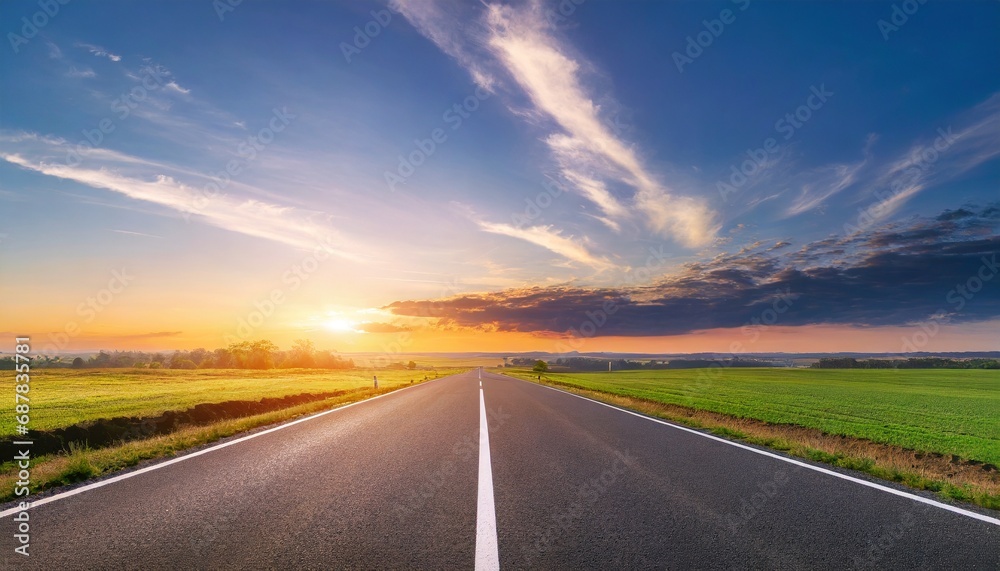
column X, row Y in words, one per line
column 127, row 475
column 487, row 557
column 901, row 493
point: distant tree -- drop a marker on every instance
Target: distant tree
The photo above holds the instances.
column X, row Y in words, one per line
column 240, row 354
column 77, row 363
column 260, row 354
column 411, row 365
column 182, row 364
column 540, row 367
column 303, row 354
column 198, row 355
column 102, row 359
column 223, row 359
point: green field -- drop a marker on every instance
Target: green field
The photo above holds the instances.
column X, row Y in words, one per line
column 949, row 411
column 63, row 397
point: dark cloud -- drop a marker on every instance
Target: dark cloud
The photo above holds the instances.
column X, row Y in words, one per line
column 955, row 214
column 895, row 275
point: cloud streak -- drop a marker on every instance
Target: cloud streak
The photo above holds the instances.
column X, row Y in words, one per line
column 157, row 183
column 100, row 52
column 551, row 239
column 519, row 44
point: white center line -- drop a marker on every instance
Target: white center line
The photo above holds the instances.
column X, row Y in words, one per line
column 486, row 517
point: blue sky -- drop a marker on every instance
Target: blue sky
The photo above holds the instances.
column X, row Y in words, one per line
column 589, row 101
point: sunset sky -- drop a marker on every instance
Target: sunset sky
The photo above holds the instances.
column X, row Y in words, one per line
column 485, row 176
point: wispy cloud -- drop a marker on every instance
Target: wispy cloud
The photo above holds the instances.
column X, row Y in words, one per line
column 934, row 161
column 551, row 239
column 823, row 183
column 451, row 25
column 81, row 73
column 131, row 233
column 173, row 86
column 157, row 183
column 99, row 51
column 519, row 44
column 54, row 51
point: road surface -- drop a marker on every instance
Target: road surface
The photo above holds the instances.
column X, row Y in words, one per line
column 408, row 480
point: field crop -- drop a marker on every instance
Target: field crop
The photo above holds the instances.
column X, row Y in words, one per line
column 947, row 411
column 63, row 397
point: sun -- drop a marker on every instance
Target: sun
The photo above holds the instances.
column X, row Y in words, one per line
column 341, row 325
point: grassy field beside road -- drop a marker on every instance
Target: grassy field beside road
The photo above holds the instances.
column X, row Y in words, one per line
column 63, row 397
column 926, row 428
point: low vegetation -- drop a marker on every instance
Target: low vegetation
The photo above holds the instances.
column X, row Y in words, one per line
column 937, row 430
column 66, row 397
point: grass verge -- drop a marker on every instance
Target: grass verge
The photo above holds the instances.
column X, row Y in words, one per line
column 81, row 463
column 949, row 476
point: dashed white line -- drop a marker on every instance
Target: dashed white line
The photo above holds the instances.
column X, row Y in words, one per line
column 487, row 557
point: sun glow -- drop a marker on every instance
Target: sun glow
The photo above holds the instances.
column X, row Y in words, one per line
column 341, row 325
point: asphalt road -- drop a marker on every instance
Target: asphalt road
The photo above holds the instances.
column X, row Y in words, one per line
column 396, row 482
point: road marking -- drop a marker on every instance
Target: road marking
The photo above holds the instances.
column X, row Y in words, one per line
column 901, row 493
column 102, row 483
column 486, row 517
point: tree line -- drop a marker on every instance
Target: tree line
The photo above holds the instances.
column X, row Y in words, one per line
column 911, row 363
column 260, row 354
column 594, row 364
